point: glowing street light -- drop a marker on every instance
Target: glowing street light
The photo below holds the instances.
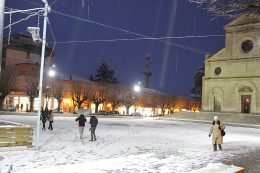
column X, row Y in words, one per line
column 137, row 88
column 51, row 73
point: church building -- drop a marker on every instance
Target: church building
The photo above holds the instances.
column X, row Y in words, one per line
column 232, row 75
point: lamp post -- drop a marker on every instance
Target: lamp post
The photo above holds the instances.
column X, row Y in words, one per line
column 46, row 9
column 2, row 8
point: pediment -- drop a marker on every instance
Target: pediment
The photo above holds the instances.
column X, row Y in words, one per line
column 219, row 56
column 244, row 19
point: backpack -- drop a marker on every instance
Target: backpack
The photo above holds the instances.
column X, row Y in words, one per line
column 223, row 133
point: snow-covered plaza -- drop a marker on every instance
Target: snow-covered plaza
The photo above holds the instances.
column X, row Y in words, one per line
column 130, row 145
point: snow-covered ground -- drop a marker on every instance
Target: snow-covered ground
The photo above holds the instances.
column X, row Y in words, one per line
column 129, row 145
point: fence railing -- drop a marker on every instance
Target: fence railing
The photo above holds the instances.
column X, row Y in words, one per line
column 16, row 136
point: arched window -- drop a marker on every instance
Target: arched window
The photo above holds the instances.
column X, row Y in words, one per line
column 245, row 89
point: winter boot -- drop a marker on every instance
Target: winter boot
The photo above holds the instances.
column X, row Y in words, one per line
column 215, row 147
column 219, row 146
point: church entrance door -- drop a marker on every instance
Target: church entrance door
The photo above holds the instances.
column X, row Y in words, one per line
column 217, row 104
column 245, row 104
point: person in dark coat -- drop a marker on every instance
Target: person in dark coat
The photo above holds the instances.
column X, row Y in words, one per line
column 44, row 115
column 93, row 122
column 82, row 120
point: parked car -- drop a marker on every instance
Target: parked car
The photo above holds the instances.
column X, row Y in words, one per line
column 115, row 112
column 10, row 108
column 136, row 114
column 103, row 113
column 100, row 113
column 56, row 111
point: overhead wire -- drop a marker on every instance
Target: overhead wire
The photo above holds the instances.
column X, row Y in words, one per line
column 54, row 43
column 143, row 37
column 14, row 23
column 23, row 31
column 129, row 32
column 53, row 2
column 35, row 3
column 136, row 39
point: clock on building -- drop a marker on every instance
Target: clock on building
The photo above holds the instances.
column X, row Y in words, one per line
column 247, row 46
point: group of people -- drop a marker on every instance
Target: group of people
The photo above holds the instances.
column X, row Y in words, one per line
column 46, row 115
column 214, row 132
column 93, row 125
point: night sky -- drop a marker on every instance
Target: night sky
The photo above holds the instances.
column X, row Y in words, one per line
column 173, row 67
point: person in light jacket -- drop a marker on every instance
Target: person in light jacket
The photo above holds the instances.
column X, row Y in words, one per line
column 50, row 118
column 82, row 120
column 215, row 132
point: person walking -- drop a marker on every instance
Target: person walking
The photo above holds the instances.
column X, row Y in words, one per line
column 21, row 107
column 44, row 114
column 215, row 132
column 93, row 122
column 50, row 118
column 82, row 120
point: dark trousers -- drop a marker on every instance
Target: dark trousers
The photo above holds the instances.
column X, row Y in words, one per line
column 93, row 135
column 215, row 147
column 50, row 125
column 43, row 125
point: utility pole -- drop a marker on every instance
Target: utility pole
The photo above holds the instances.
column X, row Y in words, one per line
column 2, row 10
column 46, row 10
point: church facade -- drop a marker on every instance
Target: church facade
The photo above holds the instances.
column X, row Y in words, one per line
column 232, row 75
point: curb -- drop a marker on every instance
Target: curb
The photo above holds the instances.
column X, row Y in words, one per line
column 209, row 122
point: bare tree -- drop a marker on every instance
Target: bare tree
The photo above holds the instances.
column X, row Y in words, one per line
column 80, row 92
column 229, row 8
column 99, row 95
column 7, row 84
column 163, row 101
column 57, row 90
column 47, row 93
column 32, row 92
column 152, row 101
column 113, row 95
column 127, row 98
column 170, row 102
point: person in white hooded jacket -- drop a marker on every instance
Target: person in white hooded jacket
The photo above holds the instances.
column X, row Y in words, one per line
column 215, row 132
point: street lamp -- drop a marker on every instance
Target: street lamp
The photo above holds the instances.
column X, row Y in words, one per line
column 137, row 87
column 52, row 72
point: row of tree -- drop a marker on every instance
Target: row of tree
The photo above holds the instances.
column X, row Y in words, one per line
column 103, row 89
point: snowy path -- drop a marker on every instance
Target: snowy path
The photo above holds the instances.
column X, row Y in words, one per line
column 128, row 145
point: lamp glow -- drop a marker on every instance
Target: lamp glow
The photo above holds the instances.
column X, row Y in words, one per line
column 51, row 73
column 137, row 88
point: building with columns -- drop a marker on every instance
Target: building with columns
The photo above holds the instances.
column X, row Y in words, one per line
column 232, row 75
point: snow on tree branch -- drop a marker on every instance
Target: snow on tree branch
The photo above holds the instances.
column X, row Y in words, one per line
column 229, row 8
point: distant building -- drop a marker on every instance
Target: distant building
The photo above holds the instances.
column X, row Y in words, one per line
column 232, row 75
column 25, row 57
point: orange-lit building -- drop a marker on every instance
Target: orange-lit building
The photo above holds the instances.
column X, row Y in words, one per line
column 24, row 57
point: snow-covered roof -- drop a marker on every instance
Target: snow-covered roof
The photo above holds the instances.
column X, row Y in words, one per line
column 244, row 19
column 74, row 77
